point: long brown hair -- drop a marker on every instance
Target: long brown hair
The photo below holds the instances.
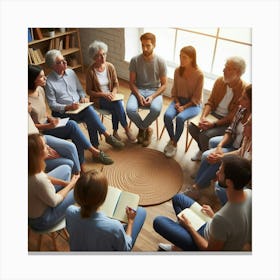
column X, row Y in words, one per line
column 36, row 162
column 90, row 192
column 191, row 52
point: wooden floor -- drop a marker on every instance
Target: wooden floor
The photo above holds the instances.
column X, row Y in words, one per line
column 148, row 239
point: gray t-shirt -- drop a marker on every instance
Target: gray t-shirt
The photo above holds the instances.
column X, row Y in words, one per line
column 232, row 224
column 148, row 73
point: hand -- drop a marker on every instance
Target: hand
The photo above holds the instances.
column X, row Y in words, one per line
column 214, row 157
column 148, row 100
column 74, row 106
column 180, row 109
column 204, row 124
column 52, row 154
column 109, row 96
column 184, row 221
column 207, row 210
column 84, row 100
column 74, row 179
column 131, row 213
column 53, row 121
column 141, row 100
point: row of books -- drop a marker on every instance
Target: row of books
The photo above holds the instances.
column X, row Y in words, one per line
column 34, row 34
column 35, row 56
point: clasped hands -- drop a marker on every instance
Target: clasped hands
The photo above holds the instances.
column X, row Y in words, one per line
column 145, row 101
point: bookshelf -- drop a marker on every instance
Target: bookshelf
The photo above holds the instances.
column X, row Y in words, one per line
column 68, row 42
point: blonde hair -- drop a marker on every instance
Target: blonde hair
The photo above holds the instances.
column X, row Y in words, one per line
column 90, row 192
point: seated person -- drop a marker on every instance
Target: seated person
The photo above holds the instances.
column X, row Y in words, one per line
column 222, row 104
column 229, row 229
column 187, row 97
column 89, row 228
column 64, row 92
column 102, row 85
column 50, row 194
column 47, row 124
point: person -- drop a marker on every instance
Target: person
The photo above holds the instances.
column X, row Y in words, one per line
column 221, row 145
column 49, row 194
column 102, row 86
column 64, row 92
column 147, row 82
column 48, row 124
column 222, row 104
column 230, row 229
column 187, row 97
column 89, row 228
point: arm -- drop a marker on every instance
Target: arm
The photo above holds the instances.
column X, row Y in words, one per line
column 131, row 216
column 56, row 181
column 69, row 187
column 134, row 89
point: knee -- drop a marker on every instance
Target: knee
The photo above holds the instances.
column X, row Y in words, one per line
column 167, row 118
column 180, row 120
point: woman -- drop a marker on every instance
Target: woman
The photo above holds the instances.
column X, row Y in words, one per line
column 187, row 97
column 50, row 194
column 102, row 85
column 89, row 228
column 231, row 141
column 47, row 124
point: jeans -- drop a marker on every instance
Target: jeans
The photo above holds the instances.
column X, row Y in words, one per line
column 138, row 223
column 221, row 194
column 67, row 151
column 92, row 120
column 132, row 108
column 54, row 215
column 173, row 231
column 171, row 113
column 117, row 110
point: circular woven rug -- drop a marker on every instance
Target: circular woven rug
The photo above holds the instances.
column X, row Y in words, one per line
column 146, row 172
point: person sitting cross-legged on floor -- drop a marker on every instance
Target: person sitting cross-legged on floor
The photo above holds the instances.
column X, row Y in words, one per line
column 229, row 229
column 89, row 228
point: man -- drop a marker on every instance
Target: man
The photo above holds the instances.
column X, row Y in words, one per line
column 230, row 228
column 64, row 92
column 147, row 80
column 222, row 104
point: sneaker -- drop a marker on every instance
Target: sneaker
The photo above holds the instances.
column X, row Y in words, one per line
column 148, row 137
column 116, row 135
column 103, row 158
column 111, row 140
column 140, row 136
column 197, row 156
column 130, row 137
column 165, row 247
column 166, row 148
column 171, row 152
column 192, row 192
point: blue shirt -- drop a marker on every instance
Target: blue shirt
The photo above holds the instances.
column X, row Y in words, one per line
column 97, row 233
column 63, row 90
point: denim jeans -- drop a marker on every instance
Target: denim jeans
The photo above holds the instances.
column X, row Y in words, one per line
column 91, row 119
column 132, row 107
column 181, row 117
column 67, row 151
column 117, row 110
column 173, row 231
column 54, row 215
column 221, row 194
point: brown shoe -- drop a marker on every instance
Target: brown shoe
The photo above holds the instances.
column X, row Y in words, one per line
column 148, row 137
column 140, row 136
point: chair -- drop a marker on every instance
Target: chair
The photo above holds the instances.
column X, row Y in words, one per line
column 146, row 108
column 188, row 141
column 102, row 113
column 54, row 232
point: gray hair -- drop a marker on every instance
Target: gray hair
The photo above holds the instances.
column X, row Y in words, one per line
column 51, row 56
column 239, row 63
column 94, row 48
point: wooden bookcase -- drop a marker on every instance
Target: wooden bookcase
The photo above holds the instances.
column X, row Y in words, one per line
column 67, row 42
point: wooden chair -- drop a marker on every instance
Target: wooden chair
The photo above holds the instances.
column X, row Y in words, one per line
column 54, row 232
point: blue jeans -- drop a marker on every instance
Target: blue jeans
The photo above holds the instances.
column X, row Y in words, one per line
column 132, row 107
column 171, row 113
column 68, row 152
column 173, row 231
column 138, row 223
column 54, row 215
column 221, row 194
column 91, row 119
column 117, row 110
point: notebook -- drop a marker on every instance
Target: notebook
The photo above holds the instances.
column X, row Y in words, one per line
column 82, row 106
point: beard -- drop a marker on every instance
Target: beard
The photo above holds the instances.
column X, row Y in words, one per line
column 147, row 53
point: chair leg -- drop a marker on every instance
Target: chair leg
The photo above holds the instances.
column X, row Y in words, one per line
column 161, row 132
column 54, row 241
column 188, row 142
column 39, row 242
column 157, row 127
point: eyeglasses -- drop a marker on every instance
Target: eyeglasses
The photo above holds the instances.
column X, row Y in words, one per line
column 63, row 61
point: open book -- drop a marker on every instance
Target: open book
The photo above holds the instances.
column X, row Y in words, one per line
column 209, row 118
column 82, row 106
column 196, row 217
column 116, row 202
column 118, row 96
column 62, row 122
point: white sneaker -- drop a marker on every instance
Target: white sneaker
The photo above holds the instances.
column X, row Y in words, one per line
column 166, row 148
column 165, row 247
column 197, row 156
column 171, row 152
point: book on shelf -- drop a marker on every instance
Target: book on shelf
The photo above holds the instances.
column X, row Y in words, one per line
column 30, row 35
column 38, row 33
column 67, row 42
column 195, row 215
column 116, row 202
column 41, row 56
column 82, row 106
column 33, row 56
column 195, row 120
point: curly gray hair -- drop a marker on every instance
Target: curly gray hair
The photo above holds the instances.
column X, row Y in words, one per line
column 239, row 63
column 94, row 48
column 51, row 56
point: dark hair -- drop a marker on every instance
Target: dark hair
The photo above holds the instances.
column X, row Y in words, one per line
column 191, row 52
column 238, row 170
column 90, row 192
column 33, row 72
column 149, row 36
column 248, row 91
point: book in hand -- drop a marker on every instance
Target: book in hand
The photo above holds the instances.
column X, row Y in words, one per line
column 116, row 202
column 118, row 97
column 195, row 215
column 62, row 122
column 209, row 118
column 82, row 106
